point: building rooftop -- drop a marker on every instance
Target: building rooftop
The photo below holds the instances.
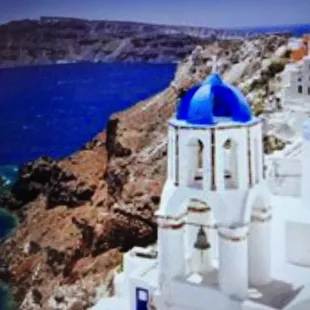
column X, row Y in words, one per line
column 213, row 101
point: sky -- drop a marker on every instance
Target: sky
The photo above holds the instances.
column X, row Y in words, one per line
column 206, row 13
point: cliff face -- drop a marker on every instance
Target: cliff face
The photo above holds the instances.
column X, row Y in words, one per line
column 80, row 213
column 53, row 40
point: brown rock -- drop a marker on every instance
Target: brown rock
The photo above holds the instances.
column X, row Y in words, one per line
column 59, row 296
column 78, row 305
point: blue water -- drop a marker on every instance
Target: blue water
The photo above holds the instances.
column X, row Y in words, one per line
column 55, row 110
column 7, row 222
column 296, row 30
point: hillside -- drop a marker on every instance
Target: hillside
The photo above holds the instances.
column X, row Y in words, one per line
column 79, row 214
column 56, row 40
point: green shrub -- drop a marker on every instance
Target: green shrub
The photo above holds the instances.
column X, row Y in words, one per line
column 246, row 89
column 259, row 83
column 258, row 109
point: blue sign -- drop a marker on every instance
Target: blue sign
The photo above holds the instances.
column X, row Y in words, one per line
column 142, row 299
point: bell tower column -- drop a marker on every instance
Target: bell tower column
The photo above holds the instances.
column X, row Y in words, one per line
column 171, row 248
column 233, row 261
column 260, row 247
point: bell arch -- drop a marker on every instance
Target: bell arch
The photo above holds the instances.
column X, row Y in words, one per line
column 195, row 152
column 200, row 237
column 230, row 165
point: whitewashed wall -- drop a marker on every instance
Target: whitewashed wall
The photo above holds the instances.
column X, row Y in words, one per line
column 187, row 296
column 294, row 76
column 297, row 243
column 284, row 176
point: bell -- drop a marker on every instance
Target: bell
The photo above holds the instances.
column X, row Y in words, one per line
column 201, row 241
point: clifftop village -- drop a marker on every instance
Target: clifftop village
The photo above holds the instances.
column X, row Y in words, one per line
column 233, row 223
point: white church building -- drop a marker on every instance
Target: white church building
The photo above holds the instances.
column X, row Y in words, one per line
column 296, row 83
column 225, row 242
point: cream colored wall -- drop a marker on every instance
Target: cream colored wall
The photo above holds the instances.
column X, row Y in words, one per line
column 297, row 242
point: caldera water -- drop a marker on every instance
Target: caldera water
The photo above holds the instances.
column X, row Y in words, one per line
column 54, row 110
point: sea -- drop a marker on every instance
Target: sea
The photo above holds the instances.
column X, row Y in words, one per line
column 54, row 110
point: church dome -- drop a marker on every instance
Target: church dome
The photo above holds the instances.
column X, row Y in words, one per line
column 211, row 101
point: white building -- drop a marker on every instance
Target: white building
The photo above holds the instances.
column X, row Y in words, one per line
column 296, row 83
column 224, row 241
column 295, row 43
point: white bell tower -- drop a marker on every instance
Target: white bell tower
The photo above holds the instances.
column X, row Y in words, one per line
column 216, row 183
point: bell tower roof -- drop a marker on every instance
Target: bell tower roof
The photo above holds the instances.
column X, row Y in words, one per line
column 213, row 101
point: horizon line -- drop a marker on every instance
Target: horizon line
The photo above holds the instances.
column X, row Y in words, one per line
column 152, row 23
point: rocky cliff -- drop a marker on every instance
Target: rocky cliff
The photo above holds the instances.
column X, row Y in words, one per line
column 56, row 40
column 79, row 214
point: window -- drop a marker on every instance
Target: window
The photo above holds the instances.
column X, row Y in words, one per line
column 195, row 166
column 227, row 148
column 256, row 160
column 299, row 89
column 299, row 79
column 230, row 164
column 308, row 90
column 198, row 175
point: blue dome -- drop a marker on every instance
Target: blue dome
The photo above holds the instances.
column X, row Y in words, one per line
column 213, row 98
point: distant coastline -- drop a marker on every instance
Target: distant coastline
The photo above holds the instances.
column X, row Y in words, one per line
column 257, row 28
column 52, row 40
